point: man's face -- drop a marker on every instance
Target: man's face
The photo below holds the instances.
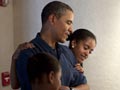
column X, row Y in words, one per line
column 63, row 26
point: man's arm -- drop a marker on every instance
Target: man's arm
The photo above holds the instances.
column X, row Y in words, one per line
column 82, row 87
column 79, row 87
column 13, row 75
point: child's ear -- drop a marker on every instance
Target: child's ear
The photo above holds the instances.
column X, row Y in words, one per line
column 51, row 77
column 73, row 43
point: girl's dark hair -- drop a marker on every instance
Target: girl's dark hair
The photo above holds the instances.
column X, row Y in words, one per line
column 40, row 64
column 80, row 35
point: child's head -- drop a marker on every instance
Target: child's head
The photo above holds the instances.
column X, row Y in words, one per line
column 44, row 69
column 82, row 43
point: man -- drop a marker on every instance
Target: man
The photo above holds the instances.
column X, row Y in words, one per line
column 57, row 19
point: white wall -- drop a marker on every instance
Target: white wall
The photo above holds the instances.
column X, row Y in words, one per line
column 6, row 40
column 102, row 17
column 102, row 68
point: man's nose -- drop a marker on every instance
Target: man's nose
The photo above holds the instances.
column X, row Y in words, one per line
column 70, row 29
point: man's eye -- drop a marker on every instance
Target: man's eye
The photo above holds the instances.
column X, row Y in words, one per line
column 69, row 22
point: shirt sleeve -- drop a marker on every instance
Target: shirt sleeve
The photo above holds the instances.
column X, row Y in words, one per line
column 78, row 78
column 21, row 67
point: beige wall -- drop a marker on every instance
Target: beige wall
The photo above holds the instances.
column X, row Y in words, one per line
column 6, row 39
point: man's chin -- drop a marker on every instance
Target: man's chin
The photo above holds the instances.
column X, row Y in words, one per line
column 63, row 41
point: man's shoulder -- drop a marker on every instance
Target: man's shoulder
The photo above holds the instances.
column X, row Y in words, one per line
column 26, row 53
column 66, row 50
column 63, row 47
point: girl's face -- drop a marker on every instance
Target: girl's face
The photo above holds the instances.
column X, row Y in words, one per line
column 82, row 49
column 57, row 81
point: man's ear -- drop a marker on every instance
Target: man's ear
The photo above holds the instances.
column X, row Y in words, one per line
column 51, row 77
column 52, row 18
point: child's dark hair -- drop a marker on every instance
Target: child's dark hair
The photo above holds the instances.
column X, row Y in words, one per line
column 40, row 64
column 80, row 35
